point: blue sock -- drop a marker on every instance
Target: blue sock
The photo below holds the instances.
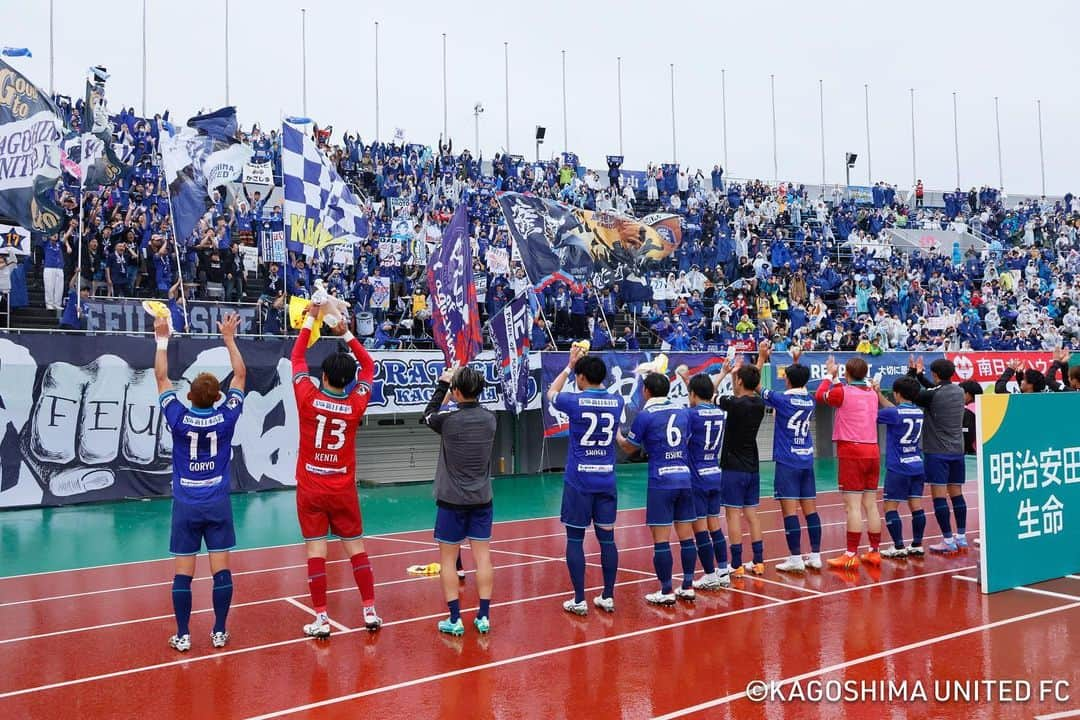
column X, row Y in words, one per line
column 575, row 560
column 793, row 534
column 705, row 551
column 455, row 610
column 181, row 602
column 757, row 547
column 458, row 563
column 813, row 530
column 485, row 609
column 719, row 544
column 688, row 555
column 941, row 512
column 895, row 527
column 609, row 559
column 222, row 598
column 661, row 560
column 918, row 526
column 736, row 555
column 959, row 508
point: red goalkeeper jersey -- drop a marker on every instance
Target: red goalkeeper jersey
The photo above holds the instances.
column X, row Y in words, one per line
column 326, row 461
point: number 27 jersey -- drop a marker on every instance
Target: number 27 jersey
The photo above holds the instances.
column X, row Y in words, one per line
column 326, row 459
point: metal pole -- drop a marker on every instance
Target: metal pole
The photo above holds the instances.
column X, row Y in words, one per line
column 723, row 115
column 956, row 139
column 506, row 75
column 1042, row 161
column 303, row 59
column 869, row 171
column 444, row 131
column 821, row 108
column 144, row 58
column 476, row 119
column 226, row 52
column 619, row 68
column 772, row 96
column 674, row 155
column 376, row 81
column 997, row 124
column 914, row 172
column 52, row 51
column 565, row 142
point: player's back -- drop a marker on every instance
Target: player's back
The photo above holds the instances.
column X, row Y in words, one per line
column 903, row 436
column 793, row 444
column 202, row 445
column 326, row 459
column 594, row 416
column 662, row 429
column 739, row 451
column 706, row 423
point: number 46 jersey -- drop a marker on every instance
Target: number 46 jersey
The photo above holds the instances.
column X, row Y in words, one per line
column 594, row 419
column 793, row 445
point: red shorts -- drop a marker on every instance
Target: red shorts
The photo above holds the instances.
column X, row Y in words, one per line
column 859, row 467
column 324, row 513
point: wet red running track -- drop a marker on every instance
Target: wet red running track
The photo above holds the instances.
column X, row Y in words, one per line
column 91, row 643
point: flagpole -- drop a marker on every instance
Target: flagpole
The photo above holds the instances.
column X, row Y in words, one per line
column 444, row 130
column 144, row 58
column 176, row 247
column 376, row 81
column 303, row 58
column 565, row 143
column 78, row 262
column 618, row 61
column 226, row 52
column 674, row 154
column 506, row 76
column 52, row 50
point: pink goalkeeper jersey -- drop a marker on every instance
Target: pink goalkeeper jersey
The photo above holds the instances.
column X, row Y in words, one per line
column 856, row 411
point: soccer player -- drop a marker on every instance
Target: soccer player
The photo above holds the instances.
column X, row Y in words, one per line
column 793, row 453
column 463, row 488
column 904, row 473
column 661, row 429
column 589, row 494
column 326, row 499
column 739, row 463
column 202, row 445
column 943, row 447
column 855, row 435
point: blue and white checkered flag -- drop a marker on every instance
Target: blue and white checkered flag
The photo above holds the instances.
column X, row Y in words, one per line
column 320, row 209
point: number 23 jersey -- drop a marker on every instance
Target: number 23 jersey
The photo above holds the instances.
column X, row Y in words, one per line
column 326, row 459
column 594, row 417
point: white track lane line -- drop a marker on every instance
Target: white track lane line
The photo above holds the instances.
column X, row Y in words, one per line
column 552, row 651
column 869, row 658
column 310, row 611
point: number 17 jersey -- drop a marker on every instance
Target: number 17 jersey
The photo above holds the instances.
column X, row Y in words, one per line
column 594, row 419
column 793, row 445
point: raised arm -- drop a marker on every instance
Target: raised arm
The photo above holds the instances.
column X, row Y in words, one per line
column 576, row 353
column 883, row 402
column 161, row 356
column 432, row 413
column 299, row 351
column 228, row 327
column 829, row 391
column 763, row 354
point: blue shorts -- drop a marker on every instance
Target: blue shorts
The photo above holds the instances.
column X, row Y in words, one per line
column 194, row 522
column 901, row 488
column 707, row 502
column 945, row 469
column 792, row 483
column 741, row 489
column 668, row 505
column 581, row 508
column 453, row 526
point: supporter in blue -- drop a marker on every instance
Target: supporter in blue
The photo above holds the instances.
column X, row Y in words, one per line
column 76, row 308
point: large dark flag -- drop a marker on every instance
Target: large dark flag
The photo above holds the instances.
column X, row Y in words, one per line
column 509, row 331
column 455, row 317
column 88, row 154
column 30, row 131
column 202, row 159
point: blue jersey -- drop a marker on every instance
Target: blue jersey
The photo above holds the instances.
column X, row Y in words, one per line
column 202, row 444
column 594, row 416
column 661, row 430
column 703, row 448
column 793, row 445
column 903, row 433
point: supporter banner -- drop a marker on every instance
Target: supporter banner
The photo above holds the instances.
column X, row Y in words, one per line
column 380, row 293
column 498, row 260
column 127, row 315
column 250, row 258
column 509, row 330
column 29, row 152
column 1029, row 488
column 390, row 253
column 943, row 322
column 14, row 239
column 861, row 194
column 888, row 366
column 259, row 173
column 634, row 178
column 455, row 317
column 622, row 379
column 80, row 423
column 272, row 246
column 987, row 367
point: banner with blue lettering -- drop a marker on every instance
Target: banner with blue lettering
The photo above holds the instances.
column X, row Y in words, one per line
column 30, row 128
column 455, row 315
column 509, row 330
column 889, row 366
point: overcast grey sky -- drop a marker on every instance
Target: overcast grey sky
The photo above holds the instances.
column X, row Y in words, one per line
column 1017, row 51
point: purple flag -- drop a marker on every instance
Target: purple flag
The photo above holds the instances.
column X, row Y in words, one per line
column 509, row 330
column 455, row 316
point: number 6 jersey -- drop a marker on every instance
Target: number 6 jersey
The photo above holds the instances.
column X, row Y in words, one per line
column 326, row 459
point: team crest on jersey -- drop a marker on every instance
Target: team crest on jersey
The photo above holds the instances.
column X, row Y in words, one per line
column 232, row 403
